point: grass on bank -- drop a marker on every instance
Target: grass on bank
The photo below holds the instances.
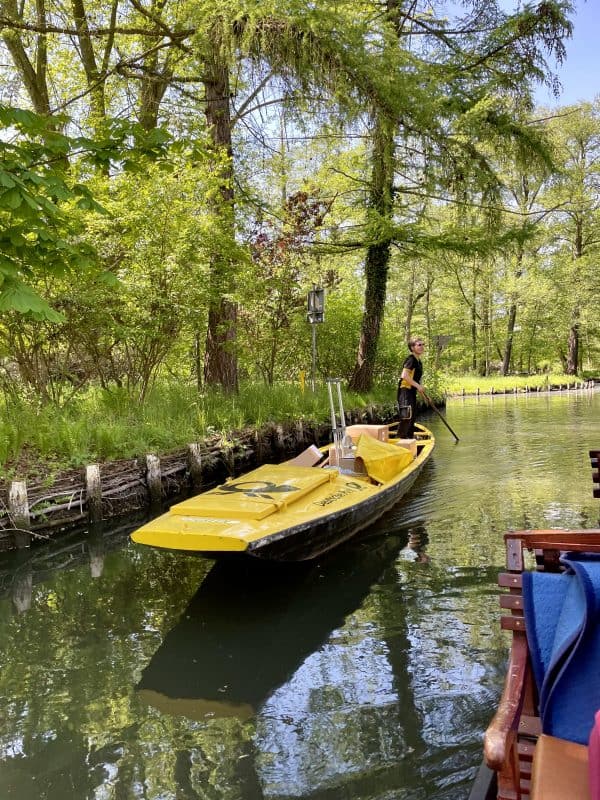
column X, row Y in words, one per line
column 471, row 384
column 103, row 426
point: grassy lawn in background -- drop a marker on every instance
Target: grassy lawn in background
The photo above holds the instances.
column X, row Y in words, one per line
column 470, row 384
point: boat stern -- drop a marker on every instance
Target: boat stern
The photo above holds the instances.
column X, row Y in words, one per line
column 198, row 534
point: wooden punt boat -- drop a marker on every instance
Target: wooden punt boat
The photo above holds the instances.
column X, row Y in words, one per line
column 294, row 512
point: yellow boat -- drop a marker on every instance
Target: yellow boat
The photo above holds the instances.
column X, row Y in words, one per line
column 301, row 508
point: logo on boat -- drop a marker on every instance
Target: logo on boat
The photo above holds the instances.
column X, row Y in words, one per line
column 350, row 487
column 256, row 488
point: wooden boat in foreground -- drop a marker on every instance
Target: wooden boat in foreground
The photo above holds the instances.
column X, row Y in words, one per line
column 295, row 512
column 544, row 740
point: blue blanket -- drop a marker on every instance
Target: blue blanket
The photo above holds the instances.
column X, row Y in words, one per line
column 562, row 615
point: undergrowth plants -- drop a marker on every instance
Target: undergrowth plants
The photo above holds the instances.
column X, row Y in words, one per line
column 108, row 425
column 105, row 426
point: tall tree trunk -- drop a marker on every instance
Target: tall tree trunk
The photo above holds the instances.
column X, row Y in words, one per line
column 156, row 78
column 474, row 317
column 378, row 254
column 486, row 326
column 95, row 79
column 220, row 360
column 574, row 330
column 410, row 301
column 512, row 317
column 573, row 344
column 34, row 75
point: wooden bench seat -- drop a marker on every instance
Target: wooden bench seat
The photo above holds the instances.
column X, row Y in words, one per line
column 560, row 770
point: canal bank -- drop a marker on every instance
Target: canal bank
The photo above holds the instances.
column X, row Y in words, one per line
column 39, row 509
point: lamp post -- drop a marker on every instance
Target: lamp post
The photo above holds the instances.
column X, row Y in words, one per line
column 316, row 314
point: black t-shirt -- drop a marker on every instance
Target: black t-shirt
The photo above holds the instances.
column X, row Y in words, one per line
column 415, row 368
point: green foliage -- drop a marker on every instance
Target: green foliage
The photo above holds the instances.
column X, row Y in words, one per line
column 42, row 230
column 107, row 425
column 118, row 238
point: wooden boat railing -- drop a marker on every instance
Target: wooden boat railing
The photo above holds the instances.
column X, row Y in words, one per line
column 595, row 462
column 510, row 740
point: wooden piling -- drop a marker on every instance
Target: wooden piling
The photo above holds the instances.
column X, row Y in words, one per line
column 93, row 492
column 153, row 478
column 194, row 464
column 300, row 433
column 278, row 441
column 18, row 509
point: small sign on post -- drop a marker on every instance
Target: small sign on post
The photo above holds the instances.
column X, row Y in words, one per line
column 316, row 305
column 441, row 342
column 315, row 314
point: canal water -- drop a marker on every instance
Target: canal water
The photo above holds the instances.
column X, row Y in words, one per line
column 371, row 674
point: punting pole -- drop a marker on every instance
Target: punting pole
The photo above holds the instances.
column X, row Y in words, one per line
column 439, row 413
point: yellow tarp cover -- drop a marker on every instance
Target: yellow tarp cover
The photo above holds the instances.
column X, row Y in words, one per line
column 382, row 461
column 255, row 495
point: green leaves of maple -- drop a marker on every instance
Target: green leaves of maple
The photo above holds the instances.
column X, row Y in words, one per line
column 41, row 232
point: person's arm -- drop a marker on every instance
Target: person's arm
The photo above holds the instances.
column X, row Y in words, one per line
column 406, row 377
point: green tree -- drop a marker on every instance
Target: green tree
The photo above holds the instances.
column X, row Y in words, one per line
column 40, row 236
column 451, row 106
column 575, row 197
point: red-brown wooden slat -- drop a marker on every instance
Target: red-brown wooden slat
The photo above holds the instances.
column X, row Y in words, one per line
column 514, row 601
column 514, row 554
column 508, row 580
column 530, row 726
column 512, row 623
column 526, row 749
column 587, row 539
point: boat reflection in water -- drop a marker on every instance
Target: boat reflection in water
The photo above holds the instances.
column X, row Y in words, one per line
column 251, row 625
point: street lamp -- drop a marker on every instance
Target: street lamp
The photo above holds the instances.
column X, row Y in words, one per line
column 315, row 314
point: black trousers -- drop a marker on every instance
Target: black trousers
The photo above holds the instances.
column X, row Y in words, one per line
column 407, row 411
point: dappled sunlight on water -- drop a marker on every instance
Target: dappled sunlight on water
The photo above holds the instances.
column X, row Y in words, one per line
column 370, row 674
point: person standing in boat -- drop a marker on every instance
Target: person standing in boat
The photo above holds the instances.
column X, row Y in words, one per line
column 408, row 386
